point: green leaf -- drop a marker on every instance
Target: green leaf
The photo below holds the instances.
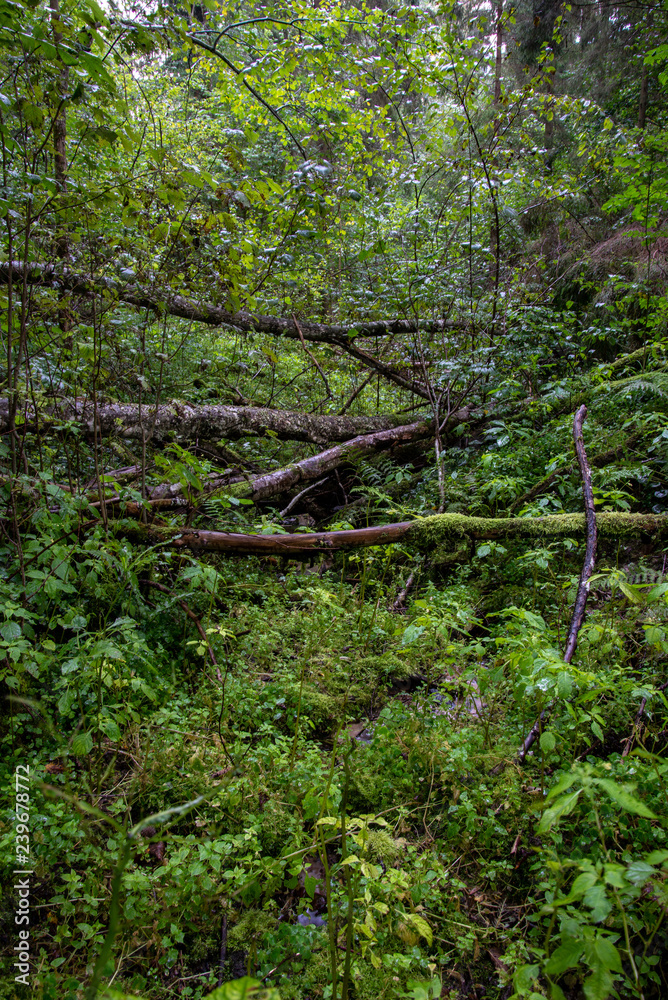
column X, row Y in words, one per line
column 82, row 744
column 244, row 989
column 597, row 731
column 607, row 954
column 109, row 728
column 562, row 807
column 638, row 872
column 657, row 857
column 309, row 885
column 10, row 631
column 565, row 957
column 598, row 986
column 564, row 684
column 624, row 799
column 597, row 899
column 547, row 742
column 421, row 926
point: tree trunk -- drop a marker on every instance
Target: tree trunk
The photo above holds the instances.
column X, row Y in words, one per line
column 209, row 422
column 60, row 130
column 644, row 82
column 271, row 483
column 430, row 534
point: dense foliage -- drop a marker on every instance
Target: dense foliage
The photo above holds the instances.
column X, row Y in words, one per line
column 222, row 227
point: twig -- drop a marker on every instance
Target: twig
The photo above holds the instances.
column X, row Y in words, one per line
column 358, row 390
column 191, row 614
column 312, row 357
column 223, row 949
column 587, row 570
column 401, row 596
column 294, row 500
column 636, row 722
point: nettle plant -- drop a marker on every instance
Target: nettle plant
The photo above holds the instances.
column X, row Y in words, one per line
column 605, row 891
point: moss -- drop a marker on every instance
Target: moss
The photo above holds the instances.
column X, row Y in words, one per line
column 252, row 924
column 382, row 847
column 324, row 710
column 383, row 668
column 442, row 531
column 241, row 490
column 278, row 827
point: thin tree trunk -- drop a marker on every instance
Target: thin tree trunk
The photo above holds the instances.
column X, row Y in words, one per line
column 644, row 82
column 60, row 131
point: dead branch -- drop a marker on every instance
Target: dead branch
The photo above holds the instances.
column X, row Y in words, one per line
column 403, row 593
column 637, row 721
column 63, row 279
column 587, row 570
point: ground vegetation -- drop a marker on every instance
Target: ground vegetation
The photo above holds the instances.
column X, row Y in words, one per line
column 333, row 478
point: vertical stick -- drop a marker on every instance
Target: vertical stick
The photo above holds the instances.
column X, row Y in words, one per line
column 587, row 569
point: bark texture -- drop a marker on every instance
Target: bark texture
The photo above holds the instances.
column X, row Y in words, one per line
column 185, row 422
column 271, row 483
column 59, row 277
column 585, row 574
column 424, row 534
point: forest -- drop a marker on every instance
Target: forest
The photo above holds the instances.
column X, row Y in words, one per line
column 334, row 499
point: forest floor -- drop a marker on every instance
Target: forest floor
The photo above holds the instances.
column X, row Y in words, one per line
column 348, row 804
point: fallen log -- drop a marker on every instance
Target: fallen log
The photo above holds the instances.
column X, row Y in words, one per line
column 61, row 278
column 271, row 483
column 208, row 422
column 439, row 533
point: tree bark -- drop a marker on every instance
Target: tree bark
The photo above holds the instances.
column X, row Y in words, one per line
column 271, row 483
column 424, row 534
column 58, row 277
column 209, row 422
column 587, row 569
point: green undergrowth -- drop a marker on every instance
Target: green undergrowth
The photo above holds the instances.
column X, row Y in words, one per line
column 324, row 782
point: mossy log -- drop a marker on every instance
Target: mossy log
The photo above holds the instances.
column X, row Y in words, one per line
column 439, row 533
